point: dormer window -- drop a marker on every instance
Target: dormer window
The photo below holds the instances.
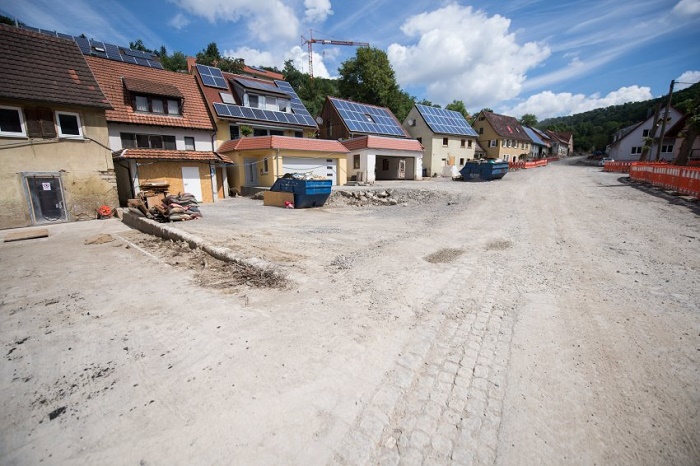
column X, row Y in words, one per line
column 154, row 97
column 157, row 104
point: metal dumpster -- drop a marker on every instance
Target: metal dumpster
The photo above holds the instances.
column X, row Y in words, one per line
column 307, row 193
column 486, row 170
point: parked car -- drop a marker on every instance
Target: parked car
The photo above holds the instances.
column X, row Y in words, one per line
column 603, row 160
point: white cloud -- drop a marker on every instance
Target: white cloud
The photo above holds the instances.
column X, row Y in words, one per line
column 300, row 59
column 267, row 20
column 691, row 77
column 252, row 57
column 548, row 104
column 179, row 21
column 317, row 10
column 687, row 8
column 464, row 54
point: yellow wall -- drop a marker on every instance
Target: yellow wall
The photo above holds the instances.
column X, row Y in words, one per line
column 500, row 151
column 85, row 167
column 171, row 172
column 236, row 173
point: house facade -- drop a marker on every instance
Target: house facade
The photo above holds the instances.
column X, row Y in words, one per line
column 244, row 107
column 279, row 155
column 372, row 158
column 56, row 162
column 538, row 149
column 448, row 139
column 628, row 143
column 502, row 136
column 380, row 147
column 160, row 131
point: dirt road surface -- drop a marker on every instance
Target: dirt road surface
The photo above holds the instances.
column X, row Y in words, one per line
column 551, row 317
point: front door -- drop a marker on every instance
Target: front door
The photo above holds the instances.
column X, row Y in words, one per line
column 45, row 198
column 251, row 172
column 191, row 182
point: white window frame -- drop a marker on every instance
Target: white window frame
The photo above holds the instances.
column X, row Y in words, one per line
column 60, row 129
column 194, row 145
column 493, row 142
column 283, row 105
column 173, row 107
column 22, row 123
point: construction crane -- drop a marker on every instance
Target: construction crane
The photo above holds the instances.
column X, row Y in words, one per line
column 311, row 40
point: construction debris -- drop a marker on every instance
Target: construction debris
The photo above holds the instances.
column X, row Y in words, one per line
column 170, row 208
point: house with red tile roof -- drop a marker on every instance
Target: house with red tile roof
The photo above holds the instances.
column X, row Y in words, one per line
column 160, row 131
column 275, row 156
column 56, row 161
column 381, row 149
column 502, row 136
column 269, row 112
column 383, row 158
column 562, row 143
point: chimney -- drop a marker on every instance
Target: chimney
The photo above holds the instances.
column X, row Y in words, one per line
column 191, row 61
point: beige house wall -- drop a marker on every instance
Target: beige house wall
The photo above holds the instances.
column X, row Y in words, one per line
column 171, row 172
column 436, row 155
column 85, row 167
column 501, row 151
column 275, row 158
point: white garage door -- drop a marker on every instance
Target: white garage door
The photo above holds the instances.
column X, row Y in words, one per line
column 322, row 168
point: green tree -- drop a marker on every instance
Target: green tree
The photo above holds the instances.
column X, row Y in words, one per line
column 7, row 20
column 369, row 78
column 138, row 45
column 691, row 130
column 209, row 56
column 428, row 103
column 528, row 120
column 458, row 106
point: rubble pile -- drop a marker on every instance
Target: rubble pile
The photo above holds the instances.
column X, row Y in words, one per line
column 170, row 208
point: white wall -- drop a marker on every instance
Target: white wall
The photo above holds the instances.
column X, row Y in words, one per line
column 202, row 139
column 622, row 151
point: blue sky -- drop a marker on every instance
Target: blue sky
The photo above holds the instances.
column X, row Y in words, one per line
column 519, row 56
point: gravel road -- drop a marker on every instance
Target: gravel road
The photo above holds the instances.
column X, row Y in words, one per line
column 551, row 317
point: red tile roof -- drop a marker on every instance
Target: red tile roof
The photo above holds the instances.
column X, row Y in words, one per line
column 379, row 142
column 164, row 154
column 260, row 73
column 282, row 142
column 143, row 86
column 45, row 69
column 506, row 126
column 109, row 74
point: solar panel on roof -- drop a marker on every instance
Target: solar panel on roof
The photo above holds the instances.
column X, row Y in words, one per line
column 216, row 76
column 369, row 119
column 443, row 121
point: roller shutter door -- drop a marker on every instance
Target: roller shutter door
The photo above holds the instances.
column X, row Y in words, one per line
column 322, row 168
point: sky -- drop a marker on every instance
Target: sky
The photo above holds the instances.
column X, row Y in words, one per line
column 543, row 57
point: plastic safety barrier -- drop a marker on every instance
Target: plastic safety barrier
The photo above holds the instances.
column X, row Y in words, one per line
column 522, row 165
column 685, row 180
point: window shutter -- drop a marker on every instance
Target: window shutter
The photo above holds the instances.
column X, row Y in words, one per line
column 48, row 128
column 33, row 123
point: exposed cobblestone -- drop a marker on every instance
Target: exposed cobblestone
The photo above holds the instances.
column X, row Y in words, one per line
column 442, row 402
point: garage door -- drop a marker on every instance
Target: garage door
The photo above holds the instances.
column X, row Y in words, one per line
column 321, row 168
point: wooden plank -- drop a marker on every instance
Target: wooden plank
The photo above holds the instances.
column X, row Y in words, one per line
column 277, row 198
column 27, row 234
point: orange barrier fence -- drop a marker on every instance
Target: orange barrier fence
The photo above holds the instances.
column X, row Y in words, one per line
column 552, row 159
column 694, row 163
column 533, row 164
column 618, row 167
column 685, row 180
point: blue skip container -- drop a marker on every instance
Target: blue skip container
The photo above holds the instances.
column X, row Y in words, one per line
column 307, row 193
column 485, row 170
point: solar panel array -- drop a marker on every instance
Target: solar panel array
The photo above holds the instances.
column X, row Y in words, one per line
column 259, row 86
column 443, row 121
column 300, row 115
column 100, row 49
column 361, row 118
column 212, row 77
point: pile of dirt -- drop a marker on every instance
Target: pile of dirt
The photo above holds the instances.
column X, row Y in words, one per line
column 208, row 271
